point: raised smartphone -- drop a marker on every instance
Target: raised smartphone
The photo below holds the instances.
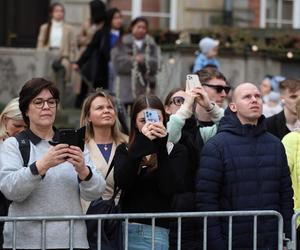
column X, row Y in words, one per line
column 151, row 115
column 192, row 81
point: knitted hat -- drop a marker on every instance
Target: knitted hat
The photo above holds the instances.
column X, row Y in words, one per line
column 98, row 11
column 207, row 43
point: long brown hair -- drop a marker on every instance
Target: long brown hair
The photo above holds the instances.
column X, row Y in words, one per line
column 51, row 9
column 117, row 135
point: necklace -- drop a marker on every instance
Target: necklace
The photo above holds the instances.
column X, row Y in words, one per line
column 105, row 147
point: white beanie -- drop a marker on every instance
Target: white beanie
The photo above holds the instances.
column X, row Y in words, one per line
column 207, row 43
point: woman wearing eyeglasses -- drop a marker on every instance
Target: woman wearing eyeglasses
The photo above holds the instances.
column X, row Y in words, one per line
column 182, row 127
column 54, row 180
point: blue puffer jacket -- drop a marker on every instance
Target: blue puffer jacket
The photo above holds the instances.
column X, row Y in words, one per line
column 244, row 168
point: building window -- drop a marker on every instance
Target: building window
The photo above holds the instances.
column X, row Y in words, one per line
column 162, row 14
column 279, row 13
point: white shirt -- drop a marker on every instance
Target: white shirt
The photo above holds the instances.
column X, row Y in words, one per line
column 139, row 43
column 56, row 33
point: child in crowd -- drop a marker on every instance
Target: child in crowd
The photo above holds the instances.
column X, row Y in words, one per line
column 209, row 51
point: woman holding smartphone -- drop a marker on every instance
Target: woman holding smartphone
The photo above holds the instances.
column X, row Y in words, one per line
column 149, row 171
column 55, row 179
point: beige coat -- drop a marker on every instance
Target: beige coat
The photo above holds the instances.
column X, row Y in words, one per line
column 102, row 166
column 68, row 47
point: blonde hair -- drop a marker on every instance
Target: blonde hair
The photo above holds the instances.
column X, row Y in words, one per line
column 117, row 135
column 11, row 111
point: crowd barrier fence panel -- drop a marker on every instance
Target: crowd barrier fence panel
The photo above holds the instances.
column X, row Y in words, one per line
column 153, row 217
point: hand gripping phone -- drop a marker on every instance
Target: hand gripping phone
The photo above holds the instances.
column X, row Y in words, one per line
column 192, row 81
column 151, row 115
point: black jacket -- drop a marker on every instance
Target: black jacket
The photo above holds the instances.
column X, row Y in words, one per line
column 184, row 201
column 244, row 168
column 144, row 190
column 94, row 61
column 276, row 125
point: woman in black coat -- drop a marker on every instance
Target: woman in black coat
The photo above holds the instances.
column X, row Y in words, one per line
column 97, row 52
column 149, row 171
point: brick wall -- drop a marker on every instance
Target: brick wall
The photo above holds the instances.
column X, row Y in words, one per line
column 254, row 6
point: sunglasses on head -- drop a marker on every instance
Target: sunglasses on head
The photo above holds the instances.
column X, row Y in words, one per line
column 177, row 100
column 218, row 88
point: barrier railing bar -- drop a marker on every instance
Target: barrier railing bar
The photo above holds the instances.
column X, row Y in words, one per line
column 293, row 243
column 71, row 239
column 99, row 234
column 126, row 234
column 280, row 233
column 14, row 234
column 205, row 233
column 43, row 240
column 153, row 233
column 179, row 233
column 255, row 233
column 143, row 216
column 230, row 233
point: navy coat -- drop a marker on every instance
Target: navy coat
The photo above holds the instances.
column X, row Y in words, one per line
column 244, row 168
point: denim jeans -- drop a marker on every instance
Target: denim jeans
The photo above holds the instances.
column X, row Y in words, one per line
column 140, row 237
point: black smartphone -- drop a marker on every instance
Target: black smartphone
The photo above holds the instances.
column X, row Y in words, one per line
column 70, row 136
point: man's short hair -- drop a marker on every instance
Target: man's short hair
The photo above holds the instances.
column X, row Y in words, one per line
column 208, row 73
column 291, row 84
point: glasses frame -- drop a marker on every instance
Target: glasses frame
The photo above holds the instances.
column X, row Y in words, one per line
column 176, row 103
column 218, row 88
column 43, row 101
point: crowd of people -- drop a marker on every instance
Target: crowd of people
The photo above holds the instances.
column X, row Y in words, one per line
column 209, row 147
column 101, row 55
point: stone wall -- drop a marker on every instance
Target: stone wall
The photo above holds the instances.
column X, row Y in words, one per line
column 19, row 65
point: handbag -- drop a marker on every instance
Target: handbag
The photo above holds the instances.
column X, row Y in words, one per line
column 111, row 229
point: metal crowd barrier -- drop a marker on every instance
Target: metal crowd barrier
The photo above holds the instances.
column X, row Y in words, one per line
column 293, row 242
column 153, row 217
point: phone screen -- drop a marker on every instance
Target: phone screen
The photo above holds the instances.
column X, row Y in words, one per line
column 151, row 115
column 73, row 137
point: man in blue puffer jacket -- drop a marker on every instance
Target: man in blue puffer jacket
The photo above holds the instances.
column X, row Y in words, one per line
column 244, row 168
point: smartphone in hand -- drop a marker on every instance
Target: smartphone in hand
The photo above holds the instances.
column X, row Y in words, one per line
column 75, row 137
column 151, row 115
column 192, row 81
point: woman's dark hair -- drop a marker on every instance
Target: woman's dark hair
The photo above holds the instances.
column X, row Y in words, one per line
column 30, row 90
column 98, row 11
column 137, row 20
column 110, row 15
column 144, row 102
column 172, row 92
column 51, row 9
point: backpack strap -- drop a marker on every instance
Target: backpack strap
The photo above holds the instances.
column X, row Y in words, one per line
column 24, row 147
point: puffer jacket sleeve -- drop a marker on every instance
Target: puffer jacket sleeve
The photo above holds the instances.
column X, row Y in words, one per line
column 208, row 191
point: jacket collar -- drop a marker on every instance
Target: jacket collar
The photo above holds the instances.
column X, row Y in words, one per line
column 36, row 139
column 231, row 123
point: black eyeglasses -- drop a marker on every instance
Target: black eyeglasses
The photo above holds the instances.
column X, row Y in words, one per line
column 177, row 100
column 218, row 88
column 40, row 103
